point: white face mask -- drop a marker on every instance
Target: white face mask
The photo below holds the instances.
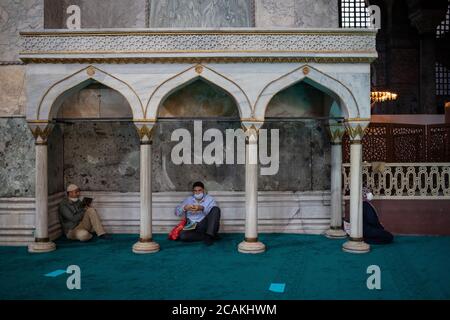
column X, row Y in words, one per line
column 73, row 199
column 198, row 196
column 369, row 196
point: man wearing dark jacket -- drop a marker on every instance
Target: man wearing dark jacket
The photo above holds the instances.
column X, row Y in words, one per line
column 79, row 220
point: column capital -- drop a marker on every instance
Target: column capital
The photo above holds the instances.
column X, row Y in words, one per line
column 336, row 130
column 251, row 129
column 356, row 128
column 145, row 130
column 41, row 130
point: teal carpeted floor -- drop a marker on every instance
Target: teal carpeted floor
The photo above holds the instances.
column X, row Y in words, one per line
column 312, row 267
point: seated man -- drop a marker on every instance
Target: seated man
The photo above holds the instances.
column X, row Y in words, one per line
column 79, row 219
column 202, row 214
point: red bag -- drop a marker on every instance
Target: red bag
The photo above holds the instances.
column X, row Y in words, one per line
column 175, row 233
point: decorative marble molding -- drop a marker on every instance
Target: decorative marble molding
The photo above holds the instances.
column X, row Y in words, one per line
column 173, row 44
column 403, row 180
column 17, row 219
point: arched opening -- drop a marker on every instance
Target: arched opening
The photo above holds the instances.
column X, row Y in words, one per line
column 345, row 106
column 169, row 86
column 301, row 112
column 93, row 144
column 192, row 110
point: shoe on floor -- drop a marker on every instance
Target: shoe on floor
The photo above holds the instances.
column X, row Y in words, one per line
column 208, row 240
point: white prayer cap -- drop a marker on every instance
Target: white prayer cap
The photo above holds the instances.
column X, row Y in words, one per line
column 72, row 187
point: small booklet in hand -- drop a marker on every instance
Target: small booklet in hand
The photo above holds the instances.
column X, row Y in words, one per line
column 87, row 201
column 190, row 225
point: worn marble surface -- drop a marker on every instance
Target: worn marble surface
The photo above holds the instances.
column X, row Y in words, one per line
column 16, row 16
column 12, row 90
column 17, row 158
column 101, row 156
column 98, row 13
column 201, row 13
column 297, row 13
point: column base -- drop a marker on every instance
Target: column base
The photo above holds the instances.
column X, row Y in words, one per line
column 145, row 247
column 335, row 234
column 251, row 247
column 42, row 247
column 353, row 246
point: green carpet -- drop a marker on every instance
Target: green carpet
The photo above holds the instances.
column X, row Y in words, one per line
column 312, row 267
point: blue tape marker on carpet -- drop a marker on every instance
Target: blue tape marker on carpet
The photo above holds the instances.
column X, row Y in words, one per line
column 55, row 273
column 277, row 287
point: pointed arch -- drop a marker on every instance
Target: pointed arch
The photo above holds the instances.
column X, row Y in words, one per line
column 193, row 73
column 317, row 79
column 48, row 105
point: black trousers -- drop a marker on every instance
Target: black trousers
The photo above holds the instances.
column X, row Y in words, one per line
column 208, row 226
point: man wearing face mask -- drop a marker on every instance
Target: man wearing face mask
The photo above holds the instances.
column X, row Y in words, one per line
column 78, row 219
column 202, row 214
column 373, row 230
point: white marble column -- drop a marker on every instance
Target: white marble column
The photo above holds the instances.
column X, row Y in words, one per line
column 356, row 244
column 145, row 243
column 41, row 131
column 251, row 244
column 337, row 130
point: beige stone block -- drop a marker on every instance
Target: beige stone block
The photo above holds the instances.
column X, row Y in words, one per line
column 12, row 91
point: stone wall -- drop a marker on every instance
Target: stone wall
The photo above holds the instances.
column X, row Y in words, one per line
column 12, row 91
column 105, row 157
column 98, row 13
column 17, row 16
column 297, row 13
column 102, row 156
column 17, row 158
column 14, row 17
column 198, row 13
column 201, row 13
